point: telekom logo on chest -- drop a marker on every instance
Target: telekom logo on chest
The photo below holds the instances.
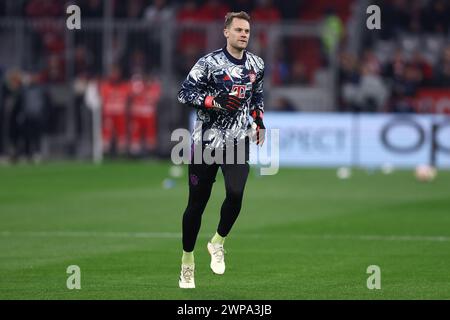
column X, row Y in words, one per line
column 239, row 90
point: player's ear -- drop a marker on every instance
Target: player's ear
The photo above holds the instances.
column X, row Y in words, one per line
column 226, row 32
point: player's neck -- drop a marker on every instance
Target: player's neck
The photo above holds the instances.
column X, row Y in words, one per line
column 236, row 53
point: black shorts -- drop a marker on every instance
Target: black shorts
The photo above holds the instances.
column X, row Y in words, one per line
column 236, row 153
column 236, row 164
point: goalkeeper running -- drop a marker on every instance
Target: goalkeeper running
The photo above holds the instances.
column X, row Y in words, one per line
column 226, row 87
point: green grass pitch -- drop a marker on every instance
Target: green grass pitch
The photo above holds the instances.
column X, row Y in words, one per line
column 302, row 234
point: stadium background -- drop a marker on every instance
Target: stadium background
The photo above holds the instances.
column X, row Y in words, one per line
column 309, row 232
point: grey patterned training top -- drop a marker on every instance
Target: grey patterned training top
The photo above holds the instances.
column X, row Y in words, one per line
column 219, row 72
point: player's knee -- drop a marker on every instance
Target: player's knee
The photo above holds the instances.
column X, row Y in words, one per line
column 235, row 194
column 197, row 201
column 196, row 207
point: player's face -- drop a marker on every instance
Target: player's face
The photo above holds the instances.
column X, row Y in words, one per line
column 238, row 33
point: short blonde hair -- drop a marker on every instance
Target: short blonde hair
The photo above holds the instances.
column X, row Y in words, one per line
column 231, row 15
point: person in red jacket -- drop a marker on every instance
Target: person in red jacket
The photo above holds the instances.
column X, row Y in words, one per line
column 145, row 95
column 114, row 93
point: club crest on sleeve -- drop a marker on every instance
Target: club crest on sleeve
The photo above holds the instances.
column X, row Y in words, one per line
column 252, row 76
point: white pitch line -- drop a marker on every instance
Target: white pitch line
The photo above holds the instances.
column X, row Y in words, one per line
column 175, row 235
column 377, row 237
column 81, row 234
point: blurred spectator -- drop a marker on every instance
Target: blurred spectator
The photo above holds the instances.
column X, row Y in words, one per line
column 114, row 92
column 191, row 42
column 242, row 5
column 442, row 77
column 425, row 68
column 118, row 53
column 372, row 92
column 55, row 71
column 137, row 62
column 27, row 102
column 36, row 102
column 135, row 9
column 306, row 51
column 284, row 104
column 436, row 17
column 409, row 81
column 159, row 10
column 44, row 8
column 189, row 57
column 348, row 77
column 145, row 96
column 83, row 60
column 348, row 68
column 188, row 11
column 279, row 69
column 446, row 53
column 404, row 88
column 394, row 69
column 289, row 9
column 14, row 111
column 362, row 86
column 370, row 61
column 416, row 16
column 212, row 10
column 401, row 16
column 190, row 36
column 130, row 9
column 54, row 41
column 92, row 9
column 332, row 32
column 79, row 87
column 264, row 13
column 298, row 75
column 395, row 18
column 2, row 114
column 48, row 43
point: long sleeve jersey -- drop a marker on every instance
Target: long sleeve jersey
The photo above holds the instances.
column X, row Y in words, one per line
column 219, row 72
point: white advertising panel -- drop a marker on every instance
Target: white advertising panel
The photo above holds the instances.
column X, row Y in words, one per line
column 309, row 139
column 344, row 139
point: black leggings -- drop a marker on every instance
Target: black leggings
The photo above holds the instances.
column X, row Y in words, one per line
column 201, row 179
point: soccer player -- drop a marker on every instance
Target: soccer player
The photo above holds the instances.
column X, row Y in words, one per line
column 226, row 88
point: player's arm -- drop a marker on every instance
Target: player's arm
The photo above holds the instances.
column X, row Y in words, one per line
column 257, row 107
column 194, row 91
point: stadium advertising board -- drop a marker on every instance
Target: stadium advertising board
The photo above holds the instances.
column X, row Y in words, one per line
column 309, row 139
column 367, row 140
